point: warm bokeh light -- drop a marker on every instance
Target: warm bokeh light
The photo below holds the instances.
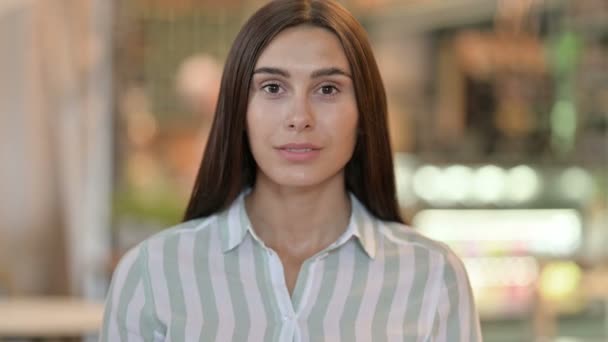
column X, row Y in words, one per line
column 560, row 281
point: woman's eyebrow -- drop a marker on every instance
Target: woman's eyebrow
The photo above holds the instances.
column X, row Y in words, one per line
column 330, row 72
column 315, row 74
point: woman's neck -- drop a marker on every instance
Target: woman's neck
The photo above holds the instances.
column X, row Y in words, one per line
column 298, row 221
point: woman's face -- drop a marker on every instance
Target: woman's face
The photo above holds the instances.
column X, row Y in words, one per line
column 302, row 113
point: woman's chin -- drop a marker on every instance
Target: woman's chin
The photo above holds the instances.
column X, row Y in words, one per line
column 302, row 180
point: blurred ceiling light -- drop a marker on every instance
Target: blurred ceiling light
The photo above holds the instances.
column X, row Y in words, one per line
column 458, row 181
column 404, row 172
column 538, row 231
column 523, row 184
column 489, row 183
column 576, row 184
column 427, row 183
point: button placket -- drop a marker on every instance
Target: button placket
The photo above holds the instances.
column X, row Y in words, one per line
column 278, row 283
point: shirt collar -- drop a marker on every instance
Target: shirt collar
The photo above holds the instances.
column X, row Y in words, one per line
column 234, row 225
column 363, row 226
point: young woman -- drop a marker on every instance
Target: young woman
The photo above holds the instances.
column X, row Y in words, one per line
column 293, row 231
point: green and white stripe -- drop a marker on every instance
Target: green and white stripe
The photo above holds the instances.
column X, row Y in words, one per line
column 213, row 279
column 187, row 278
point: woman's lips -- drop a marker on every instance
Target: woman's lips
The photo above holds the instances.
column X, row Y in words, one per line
column 299, row 152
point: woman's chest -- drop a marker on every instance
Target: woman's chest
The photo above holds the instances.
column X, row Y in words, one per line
column 327, row 303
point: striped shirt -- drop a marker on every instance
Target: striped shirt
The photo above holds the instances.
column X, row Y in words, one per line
column 213, row 279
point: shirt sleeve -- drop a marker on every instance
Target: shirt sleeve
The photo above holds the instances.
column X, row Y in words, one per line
column 456, row 319
column 129, row 311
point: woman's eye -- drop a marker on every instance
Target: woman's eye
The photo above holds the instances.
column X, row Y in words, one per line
column 329, row 90
column 272, row 88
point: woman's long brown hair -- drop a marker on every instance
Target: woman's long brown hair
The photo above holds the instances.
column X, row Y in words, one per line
column 228, row 165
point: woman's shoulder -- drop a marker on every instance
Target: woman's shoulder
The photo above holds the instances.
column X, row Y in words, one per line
column 153, row 247
column 183, row 229
column 436, row 254
column 407, row 237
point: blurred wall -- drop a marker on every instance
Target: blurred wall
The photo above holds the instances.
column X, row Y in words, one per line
column 55, row 145
column 31, row 245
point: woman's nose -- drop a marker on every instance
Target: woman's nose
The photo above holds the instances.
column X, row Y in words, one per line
column 300, row 116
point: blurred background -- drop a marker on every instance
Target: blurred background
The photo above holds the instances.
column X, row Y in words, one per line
column 498, row 119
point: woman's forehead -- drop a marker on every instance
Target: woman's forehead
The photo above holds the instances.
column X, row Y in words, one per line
column 304, row 48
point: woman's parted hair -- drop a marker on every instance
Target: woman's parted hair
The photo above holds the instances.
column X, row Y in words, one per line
column 228, row 165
